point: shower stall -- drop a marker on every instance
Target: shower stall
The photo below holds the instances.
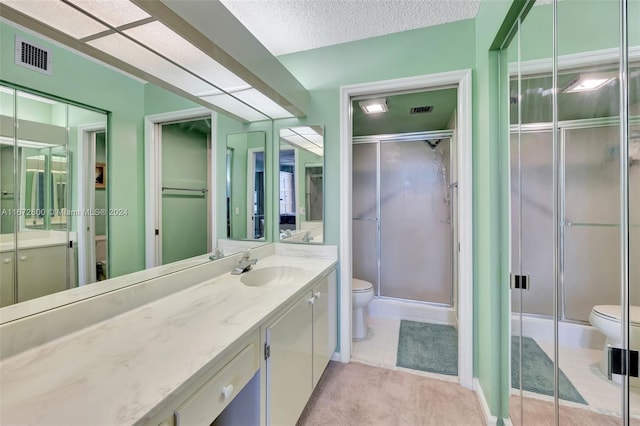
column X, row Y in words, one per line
column 589, row 188
column 404, row 216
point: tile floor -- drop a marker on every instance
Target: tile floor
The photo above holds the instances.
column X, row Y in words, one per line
column 581, row 367
column 380, row 348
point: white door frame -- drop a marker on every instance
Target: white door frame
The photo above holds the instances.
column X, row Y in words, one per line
column 86, row 172
column 462, row 79
column 153, row 178
column 251, row 187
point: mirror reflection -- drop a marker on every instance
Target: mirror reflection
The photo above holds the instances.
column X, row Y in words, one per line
column 246, row 186
column 301, row 174
column 51, row 206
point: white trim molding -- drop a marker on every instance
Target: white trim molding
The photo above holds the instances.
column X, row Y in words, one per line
column 489, row 419
column 461, row 79
column 86, row 235
column 152, row 176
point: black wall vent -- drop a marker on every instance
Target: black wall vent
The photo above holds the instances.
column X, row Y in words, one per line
column 32, row 56
column 421, row 109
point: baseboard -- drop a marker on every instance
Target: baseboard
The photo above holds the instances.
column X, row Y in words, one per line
column 336, row 357
column 507, row 422
column 490, row 420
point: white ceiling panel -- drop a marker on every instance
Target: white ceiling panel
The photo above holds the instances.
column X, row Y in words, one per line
column 128, row 51
column 113, row 12
column 234, row 106
column 58, row 15
column 162, row 39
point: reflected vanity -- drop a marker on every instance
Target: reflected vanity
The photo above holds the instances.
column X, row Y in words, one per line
column 301, row 176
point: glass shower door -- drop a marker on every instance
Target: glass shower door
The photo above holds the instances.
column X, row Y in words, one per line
column 416, row 221
column 365, row 213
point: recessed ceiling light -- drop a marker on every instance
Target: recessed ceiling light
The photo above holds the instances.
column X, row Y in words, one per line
column 374, row 106
column 589, row 82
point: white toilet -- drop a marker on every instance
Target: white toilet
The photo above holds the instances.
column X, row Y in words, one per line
column 361, row 295
column 606, row 318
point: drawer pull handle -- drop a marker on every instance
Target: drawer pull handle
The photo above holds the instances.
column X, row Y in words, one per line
column 7, row 260
column 316, row 295
column 227, row 391
column 23, row 258
column 312, row 300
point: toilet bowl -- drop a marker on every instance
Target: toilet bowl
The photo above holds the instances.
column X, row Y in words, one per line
column 361, row 295
column 606, row 318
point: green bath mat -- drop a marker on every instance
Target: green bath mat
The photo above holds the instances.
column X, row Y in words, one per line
column 537, row 371
column 428, row 347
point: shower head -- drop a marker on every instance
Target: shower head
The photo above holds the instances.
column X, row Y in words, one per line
column 433, row 144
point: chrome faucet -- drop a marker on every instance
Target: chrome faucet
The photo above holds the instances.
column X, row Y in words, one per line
column 307, row 237
column 217, row 254
column 244, row 264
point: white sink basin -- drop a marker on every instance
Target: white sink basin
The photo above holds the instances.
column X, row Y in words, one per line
column 272, row 275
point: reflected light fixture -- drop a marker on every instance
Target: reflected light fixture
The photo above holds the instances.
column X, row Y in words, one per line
column 589, row 82
column 374, row 106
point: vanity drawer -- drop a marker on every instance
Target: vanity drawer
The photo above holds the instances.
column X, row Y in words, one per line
column 208, row 402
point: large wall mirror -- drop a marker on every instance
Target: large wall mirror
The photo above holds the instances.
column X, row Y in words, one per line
column 245, row 186
column 301, row 185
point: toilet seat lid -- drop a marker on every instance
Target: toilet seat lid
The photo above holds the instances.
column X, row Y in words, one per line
column 614, row 312
column 358, row 286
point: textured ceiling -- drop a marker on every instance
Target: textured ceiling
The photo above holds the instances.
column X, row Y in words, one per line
column 286, row 26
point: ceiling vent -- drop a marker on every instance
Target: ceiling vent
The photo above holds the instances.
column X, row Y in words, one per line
column 421, row 109
column 32, row 56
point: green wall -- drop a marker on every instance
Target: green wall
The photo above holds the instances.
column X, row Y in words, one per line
column 184, row 214
column 491, row 295
column 84, row 81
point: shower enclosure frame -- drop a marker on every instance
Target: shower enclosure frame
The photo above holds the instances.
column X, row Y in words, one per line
column 379, row 140
column 563, row 127
column 464, row 130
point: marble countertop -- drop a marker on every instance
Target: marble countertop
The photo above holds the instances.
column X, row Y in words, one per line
column 122, row 370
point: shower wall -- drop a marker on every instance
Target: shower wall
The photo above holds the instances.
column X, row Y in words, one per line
column 402, row 218
column 589, row 177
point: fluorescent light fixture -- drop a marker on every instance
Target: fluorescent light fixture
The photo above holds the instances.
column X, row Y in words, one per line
column 113, row 12
column 58, row 15
column 234, row 106
column 145, row 45
column 26, row 144
column 373, row 106
column 589, row 82
column 165, row 41
column 256, row 99
column 128, row 51
column 305, row 138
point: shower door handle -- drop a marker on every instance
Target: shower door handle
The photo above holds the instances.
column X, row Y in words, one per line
column 520, row 282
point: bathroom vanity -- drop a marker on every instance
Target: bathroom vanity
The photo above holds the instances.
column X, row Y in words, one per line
column 189, row 348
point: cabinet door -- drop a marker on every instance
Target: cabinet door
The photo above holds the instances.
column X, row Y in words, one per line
column 324, row 325
column 290, row 364
column 41, row 271
column 7, row 263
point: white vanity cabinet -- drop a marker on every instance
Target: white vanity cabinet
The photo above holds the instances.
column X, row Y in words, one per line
column 41, row 271
column 298, row 346
column 7, row 263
